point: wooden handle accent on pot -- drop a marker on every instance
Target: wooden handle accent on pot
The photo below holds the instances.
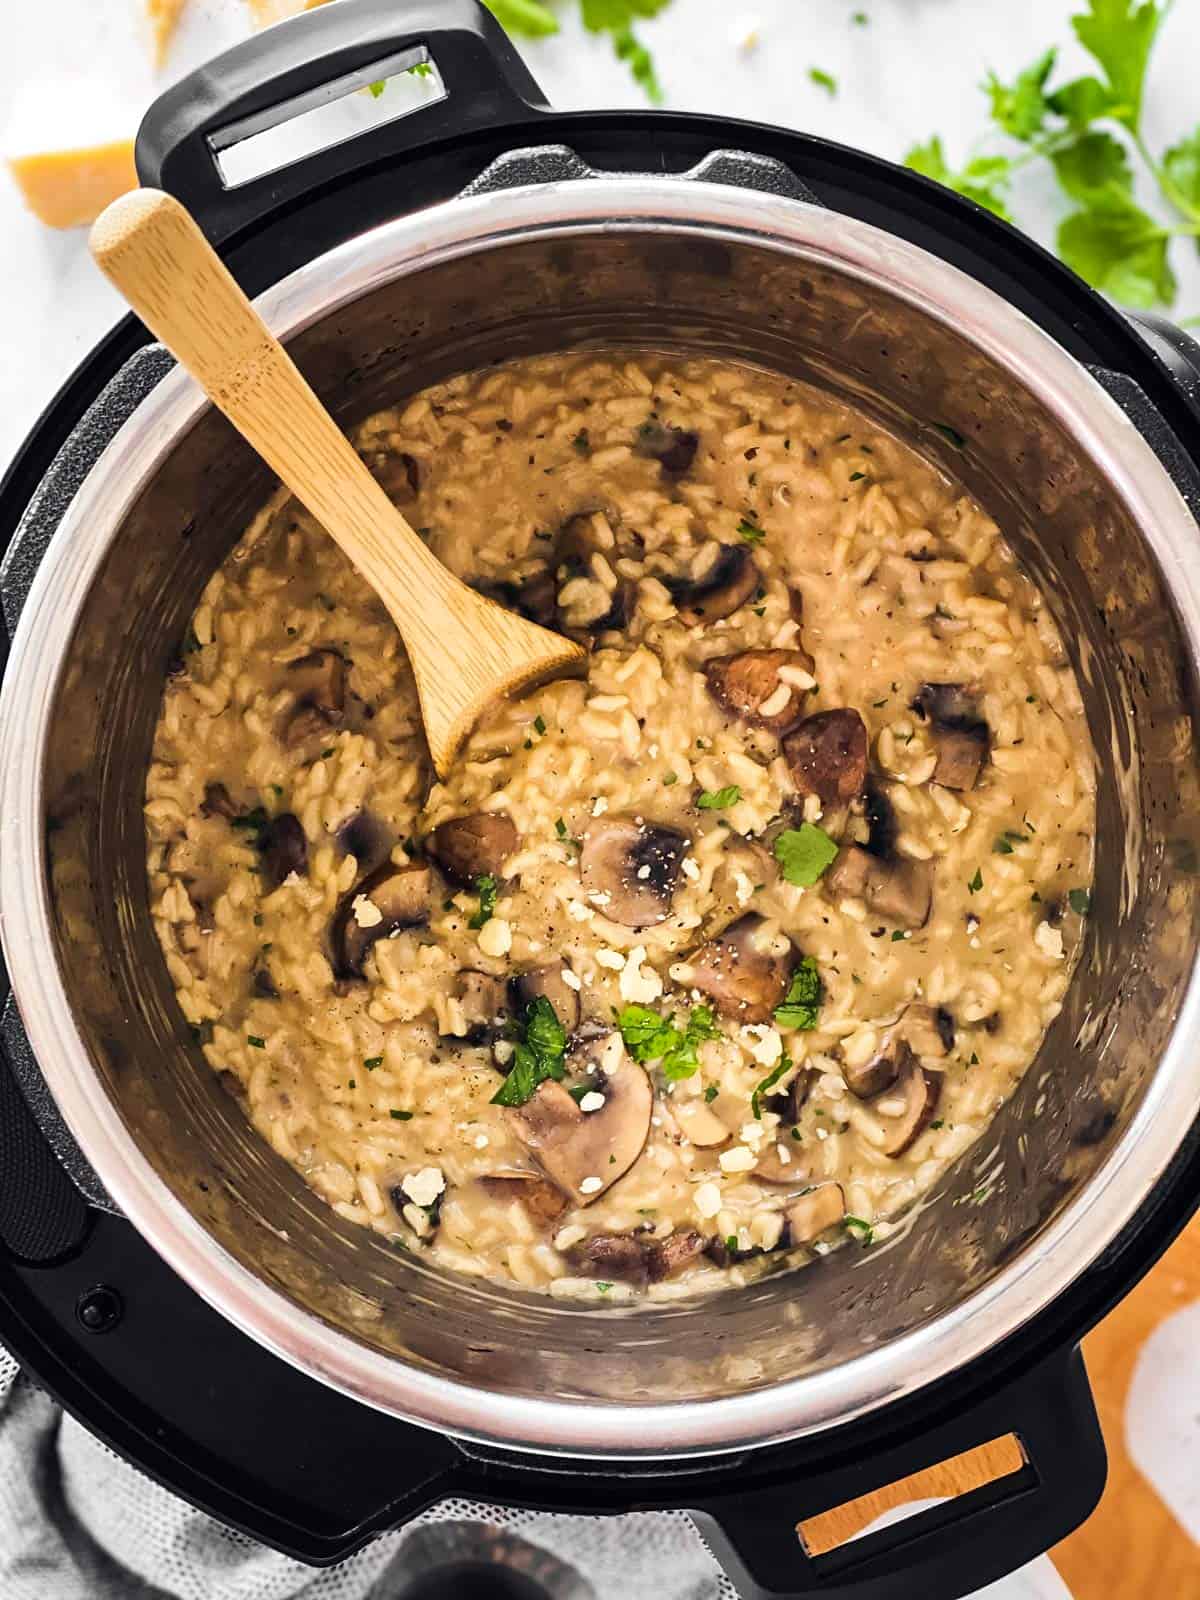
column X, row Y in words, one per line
column 465, row 650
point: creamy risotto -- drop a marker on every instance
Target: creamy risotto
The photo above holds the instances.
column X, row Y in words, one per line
column 707, row 960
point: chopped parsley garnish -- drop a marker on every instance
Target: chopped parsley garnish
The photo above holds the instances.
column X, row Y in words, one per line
column 711, row 1093
column 1002, row 847
column 938, row 1124
column 857, row 477
column 253, row 1039
column 651, row 1037
column 371, row 1062
column 603, row 1287
column 539, row 1054
column 750, row 532
column 823, row 80
column 802, row 1002
column 486, row 889
column 718, row 799
column 401, row 1116
column 560, row 827
column 581, row 444
column 539, row 724
column 976, row 882
column 898, row 934
column 1080, row 901
column 669, row 778
column 803, row 853
column 250, row 821
column 772, row 1078
column 862, row 1230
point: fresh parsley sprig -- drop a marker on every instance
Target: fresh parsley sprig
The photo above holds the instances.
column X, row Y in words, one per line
column 539, row 1054
column 650, row 1037
column 1087, row 129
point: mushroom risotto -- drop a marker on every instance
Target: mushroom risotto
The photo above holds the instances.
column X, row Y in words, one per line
column 695, row 965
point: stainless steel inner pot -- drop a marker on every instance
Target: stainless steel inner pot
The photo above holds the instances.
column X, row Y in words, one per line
column 696, row 266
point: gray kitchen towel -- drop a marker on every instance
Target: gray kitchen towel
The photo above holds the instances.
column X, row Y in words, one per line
column 78, row 1523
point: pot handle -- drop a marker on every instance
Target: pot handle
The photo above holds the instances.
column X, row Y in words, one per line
column 1056, row 1472
column 315, row 58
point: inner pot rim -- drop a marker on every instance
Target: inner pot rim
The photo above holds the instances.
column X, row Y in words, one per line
column 1065, row 1248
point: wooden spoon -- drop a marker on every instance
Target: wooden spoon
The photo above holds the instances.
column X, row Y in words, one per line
column 465, row 650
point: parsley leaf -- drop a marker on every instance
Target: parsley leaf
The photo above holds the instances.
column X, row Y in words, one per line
column 823, row 80
column 976, row 882
column 802, row 1002
column 1081, row 102
column 650, row 1037
column 984, row 179
column 1181, row 166
column 772, row 1078
column 1080, row 901
column 1020, row 108
column 1094, row 170
column 539, row 1055
column 486, row 889
column 616, row 18
column 1120, row 35
column 1122, row 250
column 718, row 799
column 862, row 1230
column 803, row 853
column 750, row 532
column 526, row 18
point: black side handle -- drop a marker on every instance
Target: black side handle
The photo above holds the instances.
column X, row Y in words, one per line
column 309, row 60
column 946, row 1551
column 1177, row 350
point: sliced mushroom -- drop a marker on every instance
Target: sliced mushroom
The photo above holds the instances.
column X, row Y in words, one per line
column 541, row 1199
column 673, row 448
column 742, row 981
column 784, row 1163
column 724, row 588
column 895, row 888
column 381, row 904
column 748, row 685
column 791, row 1102
column 635, row 865
column 699, row 1125
column 473, row 847
column 961, row 737
column 584, row 1153
column 883, row 826
column 549, row 982
column 624, row 597
column 827, row 756
column 397, row 473
column 535, row 597
column 319, row 680
column 929, row 1029
column 621, row 1257
column 284, row 849
column 217, row 802
column 367, row 839
column 264, row 984
column 872, row 1077
column 666, row 1257
column 482, row 999
column 919, row 1091
column 809, row 1216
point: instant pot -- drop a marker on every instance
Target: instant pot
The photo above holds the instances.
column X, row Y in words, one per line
column 169, row 1278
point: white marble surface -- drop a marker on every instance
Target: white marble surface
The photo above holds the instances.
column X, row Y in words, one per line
column 912, row 71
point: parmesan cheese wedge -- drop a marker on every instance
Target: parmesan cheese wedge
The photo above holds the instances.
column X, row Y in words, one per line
column 163, row 16
column 69, row 188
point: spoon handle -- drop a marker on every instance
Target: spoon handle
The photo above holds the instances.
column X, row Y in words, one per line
column 465, row 650
column 149, row 246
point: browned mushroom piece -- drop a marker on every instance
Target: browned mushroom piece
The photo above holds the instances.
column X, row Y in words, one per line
column 535, row 597
column 730, row 581
column 473, row 847
column 919, row 1030
column 961, row 737
column 319, row 679
column 748, row 685
column 483, row 1000
column 541, row 1199
column 784, row 1163
column 549, row 982
column 919, row 1091
column 217, row 802
column 791, row 1101
column 742, row 981
column 585, row 1153
column 632, row 869
column 827, row 756
column 897, row 889
column 619, row 612
column 673, row 448
column 668, row 1256
column 699, row 1124
column 381, row 904
column 397, row 473
column 617, row 1257
column 367, row 839
column 283, row 847
column 811, row 1214
column 869, row 1078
